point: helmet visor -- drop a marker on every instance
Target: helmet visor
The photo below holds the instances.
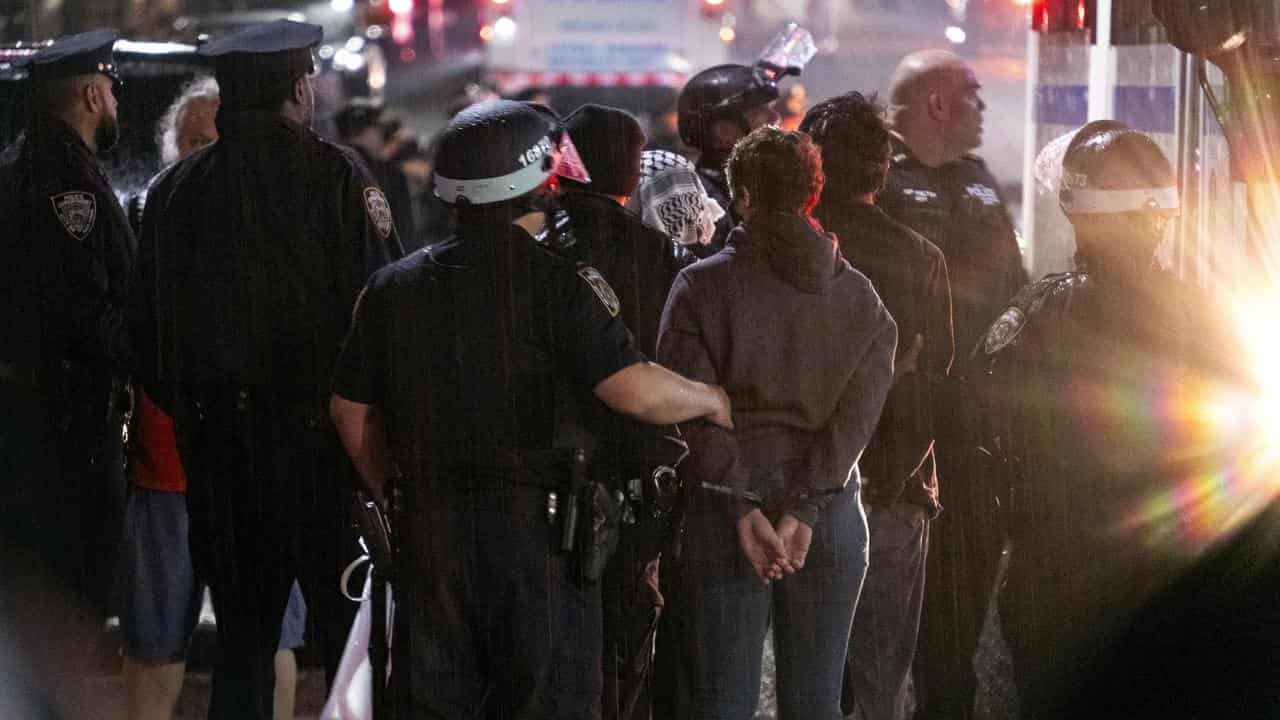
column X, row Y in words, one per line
column 567, row 163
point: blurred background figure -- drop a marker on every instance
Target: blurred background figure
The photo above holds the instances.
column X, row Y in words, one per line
column 791, row 106
column 363, row 125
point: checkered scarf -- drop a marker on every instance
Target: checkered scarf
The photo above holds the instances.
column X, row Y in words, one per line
column 671, row 198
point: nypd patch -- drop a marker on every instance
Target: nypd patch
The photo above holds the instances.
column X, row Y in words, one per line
column 985, row 195
column 77, row 211
column 375, row 203
column 1004, row 330
column 601, row 288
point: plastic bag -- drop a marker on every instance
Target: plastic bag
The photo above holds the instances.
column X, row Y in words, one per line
column 351, row 695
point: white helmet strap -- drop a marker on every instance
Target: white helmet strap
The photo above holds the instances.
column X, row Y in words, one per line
column 1083, row 201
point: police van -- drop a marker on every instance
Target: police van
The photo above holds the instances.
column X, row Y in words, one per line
column 634, row 54
column 1094, row 59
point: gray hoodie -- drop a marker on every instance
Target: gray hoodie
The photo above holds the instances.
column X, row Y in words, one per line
column 804, row 348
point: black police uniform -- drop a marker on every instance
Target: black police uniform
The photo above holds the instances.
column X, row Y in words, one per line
column 640, row 264
column 67, row 252
column 252, row 254
column 467, row 349
column 958, row 207
column 1079, row 373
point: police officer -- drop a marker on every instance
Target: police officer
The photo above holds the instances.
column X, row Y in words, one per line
column 942, row 191
column 899, row 473
column 718, row 107
column 640, row 264
column 457, row 367
column 1087, row 551
column 67, row 254
column 253, row 251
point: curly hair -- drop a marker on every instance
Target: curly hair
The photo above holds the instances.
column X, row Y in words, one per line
column 854, row 138
column 781, row 170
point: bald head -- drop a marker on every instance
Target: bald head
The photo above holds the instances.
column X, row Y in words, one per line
column 935, row 106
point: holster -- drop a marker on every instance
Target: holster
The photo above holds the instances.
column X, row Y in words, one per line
column 597, row 540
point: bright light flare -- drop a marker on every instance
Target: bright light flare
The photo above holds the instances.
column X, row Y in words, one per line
column 956, row 34
column 727, row 34
column 341, row 6
column 1233, row 421
column 401, row 7
column 504, row 28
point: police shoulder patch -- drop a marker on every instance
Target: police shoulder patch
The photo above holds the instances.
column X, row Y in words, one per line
column 601, row 288
column 375, row 203
column 77, row 211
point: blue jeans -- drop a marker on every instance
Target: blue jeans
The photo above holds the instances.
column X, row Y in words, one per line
column 883, row 642
column 727, row 610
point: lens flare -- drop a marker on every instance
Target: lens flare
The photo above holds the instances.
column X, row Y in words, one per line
column 1231, row 421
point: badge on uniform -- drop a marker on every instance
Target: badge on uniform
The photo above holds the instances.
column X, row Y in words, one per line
column 379, row 210
column 920, row 196
column 77, row 211
column 601, row 288
column 987, row 196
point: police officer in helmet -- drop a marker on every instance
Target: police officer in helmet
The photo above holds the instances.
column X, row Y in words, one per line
column 457, row 368
column 716, row 108
column 1079, row 370
column 66, row 255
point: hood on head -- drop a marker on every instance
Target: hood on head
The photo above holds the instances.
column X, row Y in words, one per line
column 798, row 249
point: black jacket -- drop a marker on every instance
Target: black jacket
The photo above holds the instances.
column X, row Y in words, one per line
column 68, row 253
column 640, row 264
column 252, row 253
column 803, row 346
column 958, row 207
column 1096, row 387
column 910, row 275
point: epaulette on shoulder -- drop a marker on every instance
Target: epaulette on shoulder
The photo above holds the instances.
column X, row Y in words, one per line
column 1029, row 301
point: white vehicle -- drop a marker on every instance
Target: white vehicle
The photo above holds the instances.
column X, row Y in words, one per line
column 603, row 43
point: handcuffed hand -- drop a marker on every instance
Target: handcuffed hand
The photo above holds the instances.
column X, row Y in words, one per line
column 795, row 536
column 762, row 546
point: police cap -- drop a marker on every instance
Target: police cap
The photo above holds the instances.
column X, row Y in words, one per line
column 280, row 47
column 253, row 63
column 272, row 37
column 82, row 54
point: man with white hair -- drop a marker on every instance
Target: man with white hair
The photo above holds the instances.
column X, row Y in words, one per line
column 938, row 188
